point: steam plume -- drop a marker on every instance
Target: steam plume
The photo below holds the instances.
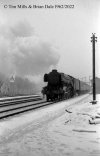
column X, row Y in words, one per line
column 23, row 53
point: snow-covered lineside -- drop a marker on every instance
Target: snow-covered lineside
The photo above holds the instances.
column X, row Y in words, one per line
column 19, row 121
column 61, row 130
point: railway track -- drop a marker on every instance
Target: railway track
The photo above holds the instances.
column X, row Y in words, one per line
column 16, row 106
column 18, row 98
column 20, row 105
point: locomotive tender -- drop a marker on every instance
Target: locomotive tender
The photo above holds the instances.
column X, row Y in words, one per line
column 62, row 86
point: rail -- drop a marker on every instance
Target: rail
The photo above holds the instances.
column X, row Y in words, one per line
column 20, row 105
column 11, row 108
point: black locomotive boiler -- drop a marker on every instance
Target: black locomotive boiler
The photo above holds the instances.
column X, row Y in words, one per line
column 61, row 86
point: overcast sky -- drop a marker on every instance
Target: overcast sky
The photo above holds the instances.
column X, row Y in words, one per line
column 36, row 40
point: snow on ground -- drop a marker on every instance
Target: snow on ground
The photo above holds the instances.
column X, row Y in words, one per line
column 54, row 131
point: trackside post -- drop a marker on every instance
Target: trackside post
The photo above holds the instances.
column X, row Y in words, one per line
column 93, row 40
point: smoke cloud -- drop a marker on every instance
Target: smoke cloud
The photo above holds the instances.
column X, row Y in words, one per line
column 24, row 53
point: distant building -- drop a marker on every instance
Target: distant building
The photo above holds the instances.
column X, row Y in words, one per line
column 97, row 82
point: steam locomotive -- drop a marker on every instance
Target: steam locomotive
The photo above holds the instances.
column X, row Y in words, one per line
column 61, row 86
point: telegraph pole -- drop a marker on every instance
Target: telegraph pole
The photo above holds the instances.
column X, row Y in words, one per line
column 93, row 40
